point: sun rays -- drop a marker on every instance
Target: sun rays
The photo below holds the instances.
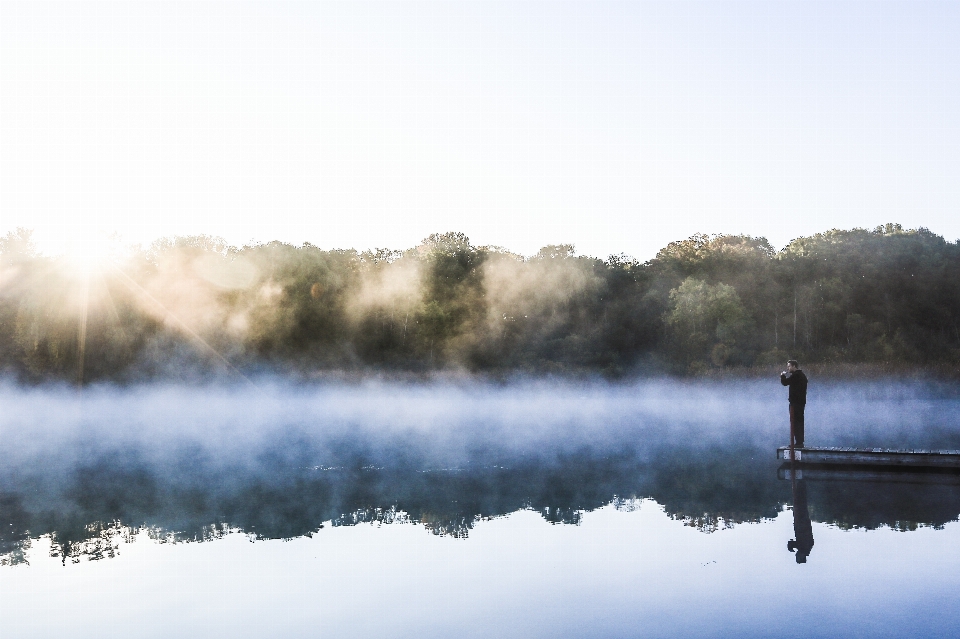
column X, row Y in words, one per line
column 84, row 264
column 91, row 286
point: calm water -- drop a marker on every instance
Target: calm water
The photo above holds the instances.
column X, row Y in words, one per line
column 522, row 510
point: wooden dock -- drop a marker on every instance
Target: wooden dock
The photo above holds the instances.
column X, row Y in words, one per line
column 875, row 457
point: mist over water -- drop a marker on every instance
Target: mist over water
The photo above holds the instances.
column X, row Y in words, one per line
column 281, row 460
column 437, row 424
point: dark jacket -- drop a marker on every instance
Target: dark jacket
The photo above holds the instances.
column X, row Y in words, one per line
column 797, row 382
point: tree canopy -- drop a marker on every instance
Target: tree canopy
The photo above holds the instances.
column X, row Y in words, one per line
column 707, row 302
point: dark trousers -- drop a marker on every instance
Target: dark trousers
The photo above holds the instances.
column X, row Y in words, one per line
column 796, row 423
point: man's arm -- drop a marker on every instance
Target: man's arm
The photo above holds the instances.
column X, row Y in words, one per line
column 784, row 379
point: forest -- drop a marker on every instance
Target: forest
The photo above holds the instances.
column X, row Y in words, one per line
column 189, row 306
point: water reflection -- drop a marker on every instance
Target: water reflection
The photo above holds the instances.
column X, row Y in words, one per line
column 97, row 506
column 107, row 501
column 871, row 497
column 195, row 465
column 802, row 543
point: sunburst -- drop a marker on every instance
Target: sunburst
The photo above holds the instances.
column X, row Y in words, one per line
column 85, row 260
column 89, row 254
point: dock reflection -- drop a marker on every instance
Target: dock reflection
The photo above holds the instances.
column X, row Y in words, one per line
column 869, row 474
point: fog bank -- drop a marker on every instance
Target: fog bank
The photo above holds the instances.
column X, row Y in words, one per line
column 280, row 460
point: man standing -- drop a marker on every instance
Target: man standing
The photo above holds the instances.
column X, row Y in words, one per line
column 797, row 381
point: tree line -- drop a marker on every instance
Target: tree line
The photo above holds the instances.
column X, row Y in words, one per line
column 187, row 304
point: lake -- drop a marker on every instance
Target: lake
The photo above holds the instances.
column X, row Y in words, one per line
column 526, row 509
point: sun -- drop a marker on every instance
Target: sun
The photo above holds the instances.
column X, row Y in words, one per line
column 88, row 253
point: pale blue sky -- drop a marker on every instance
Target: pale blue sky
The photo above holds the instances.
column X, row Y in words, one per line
column 616, row 126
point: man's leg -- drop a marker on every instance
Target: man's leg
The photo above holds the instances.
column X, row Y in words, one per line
column 793, row 432
column 797, row 411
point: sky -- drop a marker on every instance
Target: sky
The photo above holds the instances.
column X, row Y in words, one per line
column 615, row 126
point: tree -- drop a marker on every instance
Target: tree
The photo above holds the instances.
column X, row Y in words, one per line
column 706, row 318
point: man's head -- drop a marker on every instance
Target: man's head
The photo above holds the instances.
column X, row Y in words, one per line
column 792, row 365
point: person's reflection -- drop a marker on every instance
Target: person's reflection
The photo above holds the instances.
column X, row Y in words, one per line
column 802, row 528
